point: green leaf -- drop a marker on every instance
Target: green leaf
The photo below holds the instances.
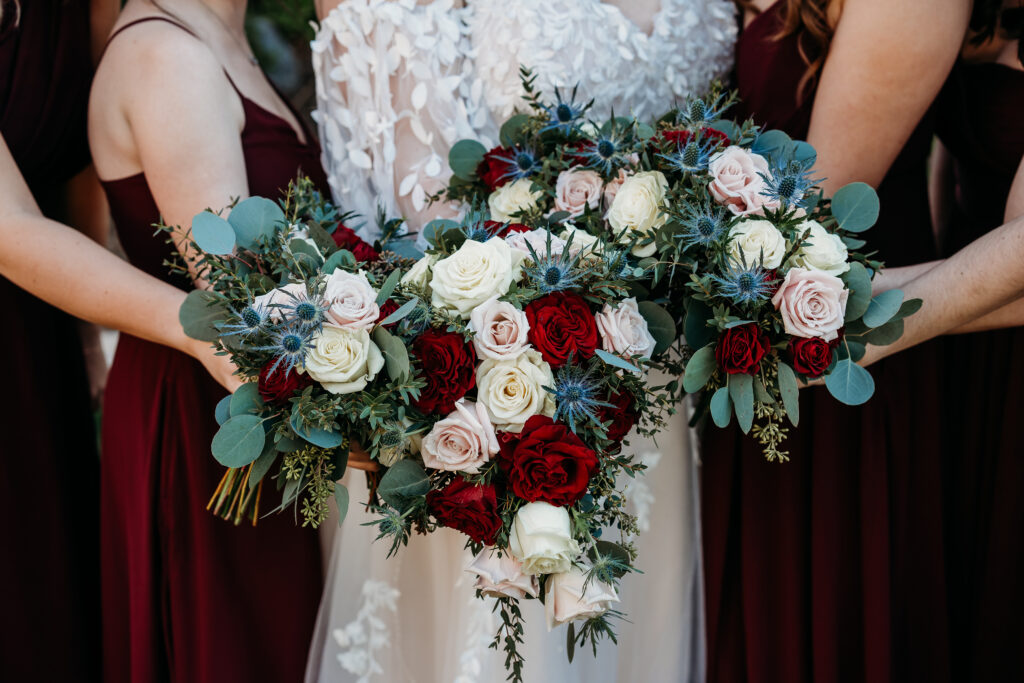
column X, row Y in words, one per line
column 804, row 151
column 695, row 326
column 612, row 550
column 728, row 127
column 761, row 394
column 303, row 247
column 222, row 411
column 570, row 641
column 246, row 399
column 199, row 314
column 853, row 242
column 436, row 229
column 396, row 356
column 213, row 234
column 855, row 207
column 858, row 281
column 402, row 483
column 771, row 141
column 239, row 441
column 286, row 444
column 262, row 464
column 324, row 241
column 512, row 130
column 613, row 360
column 404, row 247
column 402, row 311
column 341, row 498
column 741, row 391
column 883, row 307
column 659, row 324
column 888, row 333
column 699, row 370
column 909, row 308
column 721, row 407
column 850, row 383
column 790, row 391
column 342, row 258
column 314, row 435
column 644, row 131
column 255, row 218
column 388, row 287
column 464, row 157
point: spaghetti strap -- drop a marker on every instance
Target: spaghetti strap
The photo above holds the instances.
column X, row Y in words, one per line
column 120, row 30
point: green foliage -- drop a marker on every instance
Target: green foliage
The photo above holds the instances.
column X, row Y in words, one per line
column 255, row 220
column 855, row 207
column 402, row 484
column 199, row 314
column 849, row 383
column 699, row 370
column 464, row 157
column 239, row 441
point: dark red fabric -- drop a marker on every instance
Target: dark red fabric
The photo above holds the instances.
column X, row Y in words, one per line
column 828, row 568
column 187, row 596
column 981, row 125
column 49, row 469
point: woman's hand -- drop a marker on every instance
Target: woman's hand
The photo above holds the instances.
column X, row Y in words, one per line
column 360, row 459
column 220, row 367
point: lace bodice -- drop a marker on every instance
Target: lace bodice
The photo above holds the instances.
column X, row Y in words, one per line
column 399, row 82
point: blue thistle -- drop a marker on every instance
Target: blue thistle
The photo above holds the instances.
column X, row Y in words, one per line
column 289, row 343
column 563, row 115
column 609, row 151
column 520, row 163
column 306, row 311
column 703, row 225
column 552, row 272
column 698, row 113
column 251, row 320
column 789, row 180
column 618, row 263
column 691, row 157
column 576, row 394
column 744, row 284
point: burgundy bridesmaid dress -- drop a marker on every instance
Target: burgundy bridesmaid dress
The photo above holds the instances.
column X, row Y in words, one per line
column 49, row 468
column 186, row 596
column 981, row 124
column 828, row 568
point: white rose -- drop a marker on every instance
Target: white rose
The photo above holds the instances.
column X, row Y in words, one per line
column 461, row 442
column 473, row 274
column 624, row 331
column 750, row 239
column 502, row 576
column 637, row 208
column 420, row 273
column 539, row 240
column 822, row 251
column 343, row 360
column 351, row 301
column 512, row 198
column 577, row 189
column 286, row 296
column 581, row 241
column 569, row 596
column 541, row 538
column 499, row 330
column 513, row 390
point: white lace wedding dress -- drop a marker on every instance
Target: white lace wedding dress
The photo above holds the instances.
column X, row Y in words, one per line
column 398, row 83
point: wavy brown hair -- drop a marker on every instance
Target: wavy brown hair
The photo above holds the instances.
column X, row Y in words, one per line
column 807, row 20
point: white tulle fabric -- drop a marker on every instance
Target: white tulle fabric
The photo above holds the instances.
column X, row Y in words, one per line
column 398, row 83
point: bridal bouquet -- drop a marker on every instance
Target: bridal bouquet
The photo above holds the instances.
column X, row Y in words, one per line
column 301, row 305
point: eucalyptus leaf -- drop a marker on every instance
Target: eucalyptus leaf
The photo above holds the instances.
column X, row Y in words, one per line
column 200, row 313
column 883, row 307
column 464, row 157
column 761, row 394
column 804, row 151
column 512, row 130
column 659, row 324
column 849, row 383
column 324, row 242
column 341, row 498
column 888, row 333
column 695, row 325
column 853, row 242
column 909, row 308
column 741, row 391
column 770, row 142
column 396, row 356
column 286, row 444
column 402, row 483
column 300, row 246
column 213, row 234
column 615, row 361
column 721, row 407
column 437, row 228
column 254, row 218
column 246, row 399
column 644, row 131
column 343, row 258
column 858, row 280
column 737, row 323
column 314, row 435
column 406, row 248
column 570, row 641
column 727, row 127
column 855, row 350
column 699, row 369
column 402, row 311
column 223, row 410
column 612, row 550
column 855, row 207
column 388, row 287
column 239, row 441
column 262, row 464
column 790, row 390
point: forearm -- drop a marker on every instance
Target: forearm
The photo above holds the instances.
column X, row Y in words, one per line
column 898, row 278
column 1010, row 315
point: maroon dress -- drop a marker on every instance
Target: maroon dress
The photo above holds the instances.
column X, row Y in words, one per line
column 828, row 568
column 187, row 596
column 49, row 469
column 980, row 123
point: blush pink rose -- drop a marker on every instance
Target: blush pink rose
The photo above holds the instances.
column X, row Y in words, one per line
column 812, row 304
column 569, row 596
column 538, row 239
column 283, row 297
column 461, row 442
column 737, row 181
column 351, row 301
column 577, row 189
column 500, row 577
column 624, row 331
column 611, row 188
column 499, row 330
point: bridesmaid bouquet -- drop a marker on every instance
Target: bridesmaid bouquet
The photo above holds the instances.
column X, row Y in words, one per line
column 303, row 307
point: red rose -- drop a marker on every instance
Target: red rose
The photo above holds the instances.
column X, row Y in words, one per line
column 561, row 324
column 574, row 153
column 623, row 415
column 492, row 170
column 348, row 239
column 278, row 386
column 681, row 137
column 499, row 229
column 741, row 348
column 810, row 357
column 447, row 363
column 550, row 463
column 473, row 510
column 386, row 309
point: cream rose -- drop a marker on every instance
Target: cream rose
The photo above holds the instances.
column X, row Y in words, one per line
column 343, row 360
column 822, row 251
column 273, row 301
column 473, row 274
column 461, row 442
column 581, row 241
column 513, row 390
column 420, row 273
column 539, row 240
column 351, row 301
column 541, row 538
column 637, row 208
column 737, row 181
column 499, row 330
column 750, row 239
column 812, row 303
column 577, row 189
column 624, row 331
column 500, row 577
column 512, row 198
column 569, row 596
